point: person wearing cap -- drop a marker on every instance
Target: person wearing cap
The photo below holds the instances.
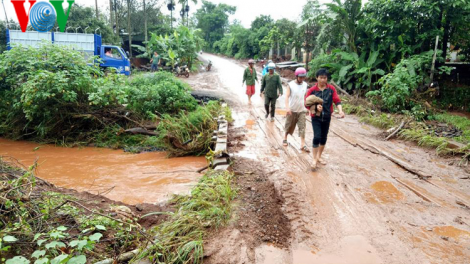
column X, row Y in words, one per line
column 271, row 88
column 296, row 112
column 321, row 122
column 249, row 77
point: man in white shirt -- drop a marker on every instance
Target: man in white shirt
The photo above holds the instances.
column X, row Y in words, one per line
column 296, row 111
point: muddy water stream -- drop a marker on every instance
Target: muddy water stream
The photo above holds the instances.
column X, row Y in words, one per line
column 120, row 176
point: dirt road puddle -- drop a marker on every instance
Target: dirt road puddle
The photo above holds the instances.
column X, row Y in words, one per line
column 443, row 244
column 130, row 178
column 250, row 123
column 450, row 231
column 384, row 192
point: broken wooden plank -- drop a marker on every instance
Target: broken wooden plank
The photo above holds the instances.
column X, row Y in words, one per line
column 396, row 131
column 405, row 165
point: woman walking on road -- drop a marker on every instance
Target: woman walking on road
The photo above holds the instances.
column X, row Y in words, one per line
column 296, row 112
column 321, row 122
column 249, row 77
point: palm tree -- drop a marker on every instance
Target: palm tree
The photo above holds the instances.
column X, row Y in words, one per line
column 185, row 9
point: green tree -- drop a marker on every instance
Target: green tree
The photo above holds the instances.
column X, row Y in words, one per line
column 348, row 14
column 213, row 21
column 262, row 21
column 81, row 16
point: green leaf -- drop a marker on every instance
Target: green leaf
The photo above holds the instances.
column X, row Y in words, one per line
column 57, row 235
column 42, row 261
column 62, row 228
column 96, row 237
column 79, row 244
column 17, row 260
column 41, row 241
column 344, row 71
column 36, row 236
column 38, row 254
column 77, row 260
column 378, row 72
column 372, row 58
column 362, row 70
column 10, row 239
column 60, row 259
column 100, row 227
column 55, row 244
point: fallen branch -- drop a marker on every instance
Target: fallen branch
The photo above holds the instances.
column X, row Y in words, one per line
column 100, row 214
column 124, row 257
column 202, row 169
column 141, row 131
column 341, row 89
column 396, row 131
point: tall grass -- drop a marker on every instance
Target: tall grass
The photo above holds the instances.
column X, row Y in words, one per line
column 180, row 239
column 190, row 133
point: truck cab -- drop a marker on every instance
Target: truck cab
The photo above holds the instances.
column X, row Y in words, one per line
column 115, row 57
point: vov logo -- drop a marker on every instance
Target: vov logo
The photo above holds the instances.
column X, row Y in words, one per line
column 42, row 15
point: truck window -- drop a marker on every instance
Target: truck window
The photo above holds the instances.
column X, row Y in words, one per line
column 124, row 52
column 112, row 53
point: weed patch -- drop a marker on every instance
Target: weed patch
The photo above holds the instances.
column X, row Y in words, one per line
column 180, row 239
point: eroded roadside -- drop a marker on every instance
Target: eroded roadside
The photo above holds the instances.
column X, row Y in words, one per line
column 360, row 208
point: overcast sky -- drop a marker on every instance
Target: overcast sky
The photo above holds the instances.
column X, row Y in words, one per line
column 247, row 10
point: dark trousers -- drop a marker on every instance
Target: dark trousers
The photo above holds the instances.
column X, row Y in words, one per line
column 321, row 127
column 154, row 67
column 270, row 102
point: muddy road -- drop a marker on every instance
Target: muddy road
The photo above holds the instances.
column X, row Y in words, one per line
column 362, row 207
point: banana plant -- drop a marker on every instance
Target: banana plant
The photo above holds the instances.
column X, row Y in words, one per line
column 353, row 71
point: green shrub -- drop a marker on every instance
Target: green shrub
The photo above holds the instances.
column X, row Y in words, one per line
column 44, row 88
column 398, row 89
column 349, row 69
column 160, row 93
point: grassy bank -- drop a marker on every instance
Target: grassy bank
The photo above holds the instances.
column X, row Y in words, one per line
column 417, row 131
column 42, row 224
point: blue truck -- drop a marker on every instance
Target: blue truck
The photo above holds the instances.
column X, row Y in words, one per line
column 89, row 44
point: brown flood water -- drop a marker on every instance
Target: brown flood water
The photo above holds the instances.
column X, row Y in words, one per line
column 120, row 176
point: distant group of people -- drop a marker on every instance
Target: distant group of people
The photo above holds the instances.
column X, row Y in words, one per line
column 300, row 101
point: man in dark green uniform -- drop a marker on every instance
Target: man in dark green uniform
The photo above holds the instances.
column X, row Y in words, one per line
column 271, row 87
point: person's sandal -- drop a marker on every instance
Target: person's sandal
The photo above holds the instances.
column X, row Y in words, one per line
column 284, row 143
column 305, row 149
